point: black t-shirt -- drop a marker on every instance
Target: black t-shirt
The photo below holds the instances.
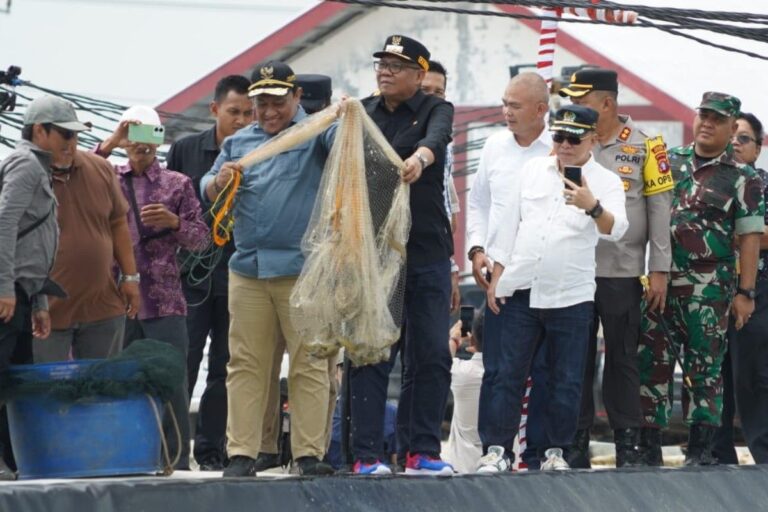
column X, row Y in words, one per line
column 421, row 121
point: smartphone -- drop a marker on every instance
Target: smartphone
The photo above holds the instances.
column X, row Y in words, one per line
column 146, row 133
column 467, row 316
column 573, row 173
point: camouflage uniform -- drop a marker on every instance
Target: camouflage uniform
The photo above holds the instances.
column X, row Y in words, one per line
column 713, row 201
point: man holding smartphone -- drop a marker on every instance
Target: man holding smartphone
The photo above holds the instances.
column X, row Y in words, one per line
column 641, row 163
column 547, row 246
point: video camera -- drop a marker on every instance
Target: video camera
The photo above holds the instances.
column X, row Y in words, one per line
column 8, row 98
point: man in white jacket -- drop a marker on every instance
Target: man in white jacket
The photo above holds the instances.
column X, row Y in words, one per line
column 547, row 245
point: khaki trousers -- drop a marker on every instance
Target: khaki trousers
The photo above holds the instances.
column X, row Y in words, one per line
column 271, row 426
column 259, row 310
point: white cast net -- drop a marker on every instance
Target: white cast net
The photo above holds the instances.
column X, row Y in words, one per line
column 350, row 292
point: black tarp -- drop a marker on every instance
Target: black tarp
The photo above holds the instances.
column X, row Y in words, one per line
column 726, row 488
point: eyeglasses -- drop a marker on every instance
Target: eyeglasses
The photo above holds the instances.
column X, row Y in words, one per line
column 743, row 138
column 559, row 138
column 393, row 67
column 64, row 133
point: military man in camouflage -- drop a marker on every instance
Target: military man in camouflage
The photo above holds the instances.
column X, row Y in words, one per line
column 717, row 214
column 641, row 163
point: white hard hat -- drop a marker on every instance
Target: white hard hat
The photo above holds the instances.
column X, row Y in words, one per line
column 146, row 115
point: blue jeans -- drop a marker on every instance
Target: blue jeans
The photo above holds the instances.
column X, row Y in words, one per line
column 426, row 371
column 564, row 333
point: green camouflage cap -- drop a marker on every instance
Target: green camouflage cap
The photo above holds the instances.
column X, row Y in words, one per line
column 721, row 103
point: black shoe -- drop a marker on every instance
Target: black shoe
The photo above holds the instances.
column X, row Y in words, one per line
column 627, row 454
column 239, row 466
column 266, row 461
column 313, row 466
column 578, row 456
column 6, row 474
column 212, row 464
column 650, row 447
column 699, row 452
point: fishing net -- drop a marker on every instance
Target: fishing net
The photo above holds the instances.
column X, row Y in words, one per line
column 351, row 289
column 350, row 292
column 144, row 367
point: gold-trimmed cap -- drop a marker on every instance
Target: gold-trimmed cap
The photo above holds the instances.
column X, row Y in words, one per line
column 575, row 119
column 407, row 49
column 274, row 78
column 587, row 80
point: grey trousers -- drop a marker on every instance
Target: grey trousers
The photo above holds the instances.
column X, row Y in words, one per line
column 173, row 330
column 88, row 340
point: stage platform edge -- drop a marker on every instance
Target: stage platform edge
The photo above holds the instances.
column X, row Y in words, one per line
column 717, row 488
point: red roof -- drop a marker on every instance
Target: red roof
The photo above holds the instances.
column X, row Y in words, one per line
column 294, row 31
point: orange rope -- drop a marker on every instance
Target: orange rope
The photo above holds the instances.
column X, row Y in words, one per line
column 224, row 214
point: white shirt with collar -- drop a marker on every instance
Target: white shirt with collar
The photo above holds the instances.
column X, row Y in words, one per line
column 500, row 163
column 548, row 246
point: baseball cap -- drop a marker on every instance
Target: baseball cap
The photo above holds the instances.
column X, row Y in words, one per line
column 56, row 111
column 405, row 48
column 587, row 80
column 575, row 119
column 316, row 91
column 720, row 102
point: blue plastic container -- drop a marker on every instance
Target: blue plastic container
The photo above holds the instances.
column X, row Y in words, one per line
column 99, row 436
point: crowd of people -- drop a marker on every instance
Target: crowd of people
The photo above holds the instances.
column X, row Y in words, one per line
column 567, row 214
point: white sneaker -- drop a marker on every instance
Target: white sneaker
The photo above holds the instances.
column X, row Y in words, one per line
column 555, row 461
column 495, row 461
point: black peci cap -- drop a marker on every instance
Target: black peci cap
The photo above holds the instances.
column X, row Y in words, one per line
column 316, row 91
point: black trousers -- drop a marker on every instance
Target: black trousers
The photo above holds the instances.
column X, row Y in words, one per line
column 723, row 447
column 15, row 348
column 749, row 358
column 618, row 309
column 208, row 314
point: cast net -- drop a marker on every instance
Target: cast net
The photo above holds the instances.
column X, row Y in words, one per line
column 350, row 292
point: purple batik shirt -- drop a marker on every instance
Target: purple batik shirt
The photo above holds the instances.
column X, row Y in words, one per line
column 155, row 249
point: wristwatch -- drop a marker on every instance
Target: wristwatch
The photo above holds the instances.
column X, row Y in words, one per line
column 750, row 293
column 597, row 211
column 130, row 278
column 421, row 159
column 474, row 250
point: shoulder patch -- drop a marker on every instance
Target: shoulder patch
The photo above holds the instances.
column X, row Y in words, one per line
column 625, row 133
column 657, row 177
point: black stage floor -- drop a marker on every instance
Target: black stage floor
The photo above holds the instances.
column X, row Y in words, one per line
column 726, row 488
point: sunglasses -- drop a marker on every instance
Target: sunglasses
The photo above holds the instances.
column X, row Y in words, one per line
column 743, row 138
column 65, row 134
column 573, row 140
column 392, row 67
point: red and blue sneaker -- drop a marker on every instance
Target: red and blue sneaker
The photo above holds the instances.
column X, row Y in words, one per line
column 374, row 468
column 419, row 464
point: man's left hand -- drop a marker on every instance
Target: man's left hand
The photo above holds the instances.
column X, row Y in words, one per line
column 742, row 308
column 579, row 196
column 158, row 216
column 455, row 295
column 41, row 324
column 412, row 170
column 656, row 294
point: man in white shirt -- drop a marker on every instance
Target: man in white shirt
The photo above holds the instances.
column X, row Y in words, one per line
column 525, row 107
column 546, row 244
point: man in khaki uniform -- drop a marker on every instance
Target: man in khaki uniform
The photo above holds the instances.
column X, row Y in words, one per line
column 641, row 163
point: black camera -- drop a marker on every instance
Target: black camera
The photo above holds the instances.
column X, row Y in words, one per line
column 7, row 98
column 10, row 76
